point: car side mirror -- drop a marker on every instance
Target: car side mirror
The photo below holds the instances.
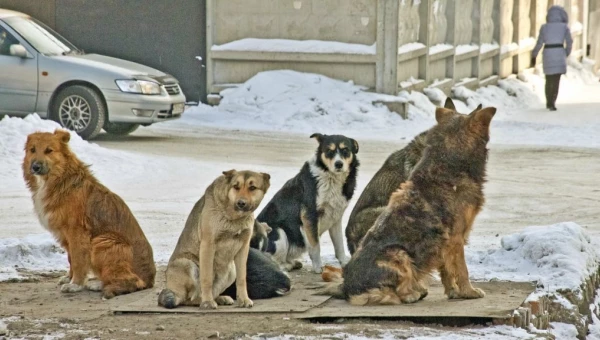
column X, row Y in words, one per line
column 18, row 50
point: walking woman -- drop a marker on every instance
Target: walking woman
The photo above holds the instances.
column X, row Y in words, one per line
column 553, row 35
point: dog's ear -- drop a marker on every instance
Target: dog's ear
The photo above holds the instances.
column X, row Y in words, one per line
column 229, row 173
column 267, row 228
column 354, row 145
column 27, row 142
column 481, row 119
column 267, row 179
column 63, row 135
column 449, row 104
column 476, row 109
column 442, row 115
column 318, row 136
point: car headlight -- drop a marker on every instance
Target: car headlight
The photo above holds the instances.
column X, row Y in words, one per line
column 138, row 86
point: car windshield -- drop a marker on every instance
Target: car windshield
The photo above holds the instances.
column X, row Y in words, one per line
column 40, row 36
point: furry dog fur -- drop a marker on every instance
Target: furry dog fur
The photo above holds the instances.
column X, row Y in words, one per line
column 374, row 198
column 427, row 221
column 212, row 250
column 94, row 225
column 312, row 203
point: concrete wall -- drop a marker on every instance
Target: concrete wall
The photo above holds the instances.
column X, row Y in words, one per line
column 490, row 39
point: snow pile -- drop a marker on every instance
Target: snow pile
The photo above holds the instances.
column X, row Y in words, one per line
column 558, row 256
column 488, row 47
column 463, row 49
column 564, row 331
column 14, row 132
column 413, row 46
column 594, row 327
column 299, row 102
column 294, row 46
column 296, row 102
column 38, row 253
column 439, row 48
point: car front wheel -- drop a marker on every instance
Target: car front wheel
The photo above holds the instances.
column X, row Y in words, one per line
column 120, row 129
column 80, row 109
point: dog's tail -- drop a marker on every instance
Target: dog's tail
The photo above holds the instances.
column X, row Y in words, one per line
column 167, row 299
column 335, row 284
column 331, row 274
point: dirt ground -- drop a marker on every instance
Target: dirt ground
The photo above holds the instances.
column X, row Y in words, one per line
column 526, row 186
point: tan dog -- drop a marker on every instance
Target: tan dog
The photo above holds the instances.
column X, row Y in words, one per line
column 212, row 250
column 94, row 225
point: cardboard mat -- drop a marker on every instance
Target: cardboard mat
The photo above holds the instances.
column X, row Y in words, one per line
column 300, row 299
column 501, row 299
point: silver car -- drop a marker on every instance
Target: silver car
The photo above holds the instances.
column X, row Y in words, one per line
column 41, row 72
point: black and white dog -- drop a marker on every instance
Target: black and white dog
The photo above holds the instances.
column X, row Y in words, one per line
column 312, row 203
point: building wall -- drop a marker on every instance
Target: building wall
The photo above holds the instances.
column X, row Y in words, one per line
column 166, row 35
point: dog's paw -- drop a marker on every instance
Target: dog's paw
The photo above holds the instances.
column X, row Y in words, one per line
column 245, row 303
column 94, row 285
column 413, row 297
column 473, row 293
column 317, row 269
column 224, row 300
column 212, row 304
column 71, row 288
column 296, row 265
column 64, row 279
column 344, row 260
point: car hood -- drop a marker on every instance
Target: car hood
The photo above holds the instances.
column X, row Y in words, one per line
column 122, row 67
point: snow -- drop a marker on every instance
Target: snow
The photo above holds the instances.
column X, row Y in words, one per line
column 557, row 257
column 576, row 27
column 413, row 46
column 422, row 333
column 594, row 327
column 439, row 48
column 564, row 331
column 488, row 47
column 35, row 253
column 509, row 48
column 294, row 46
column 303, row 103
column 527, row 42
column 463, row 49
column 410, row 82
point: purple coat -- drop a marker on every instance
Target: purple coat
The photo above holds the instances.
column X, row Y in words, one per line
column 554, row 31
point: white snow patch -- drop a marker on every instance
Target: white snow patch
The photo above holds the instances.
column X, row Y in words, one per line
column 463, row 49
column 439, row 48
column 509, row 48
column 576, row 27
column 35, row 253
column 558, row 256
column 303, row 103
column 413, row 46
column 488, row 47
column 527, row 42
column 563, row 331
column 423, row 333
column 295, row 46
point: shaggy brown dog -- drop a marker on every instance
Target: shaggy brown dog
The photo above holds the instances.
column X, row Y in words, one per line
column 212, row 250
column 427, row 221
column 94, row 225
column 375, row 197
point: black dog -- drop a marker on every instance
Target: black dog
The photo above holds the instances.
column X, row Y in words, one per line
column 312, row 203
column 264, row 279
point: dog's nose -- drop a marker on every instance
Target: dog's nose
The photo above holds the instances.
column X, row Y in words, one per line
column 241, row 204
column 36, row 167
column 339, row 164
